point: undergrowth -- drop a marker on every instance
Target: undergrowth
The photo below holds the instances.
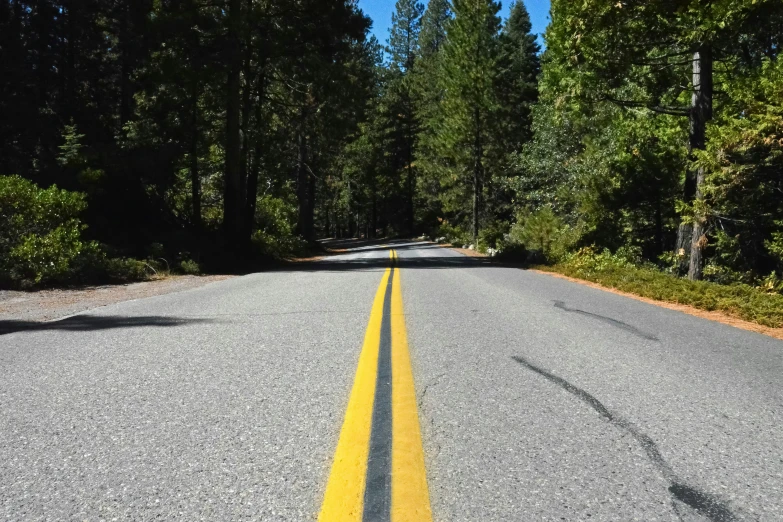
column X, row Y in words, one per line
column 620, row 272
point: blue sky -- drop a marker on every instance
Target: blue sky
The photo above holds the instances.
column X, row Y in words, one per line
column 381, row 12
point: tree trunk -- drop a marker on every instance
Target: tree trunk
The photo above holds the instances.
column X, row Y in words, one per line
column 374, row 213
column 310, row 217
column 126, row 94
column 302, row 182
column 477, row 177
column 195, row 176
column 252, row 180
column 659, row 247
column 68, row 80
column 245, row 136
column 701, row 113
column 233, row 175
column 411, row 182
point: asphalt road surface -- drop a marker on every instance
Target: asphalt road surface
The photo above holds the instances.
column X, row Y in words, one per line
column 536, row 399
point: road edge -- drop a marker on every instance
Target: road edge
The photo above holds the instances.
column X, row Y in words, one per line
column 714, row 315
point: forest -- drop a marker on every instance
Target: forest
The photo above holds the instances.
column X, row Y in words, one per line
column 141, row 136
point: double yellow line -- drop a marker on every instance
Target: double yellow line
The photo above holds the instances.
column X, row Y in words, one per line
column 378, row 470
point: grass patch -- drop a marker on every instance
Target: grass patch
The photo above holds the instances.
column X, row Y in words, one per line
column 739, row 300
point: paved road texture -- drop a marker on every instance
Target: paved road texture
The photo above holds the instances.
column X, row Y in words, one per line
column 394, row 382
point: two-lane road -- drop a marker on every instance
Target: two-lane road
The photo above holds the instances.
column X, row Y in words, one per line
column 535, row 399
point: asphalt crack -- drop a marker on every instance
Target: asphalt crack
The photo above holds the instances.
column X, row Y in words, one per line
column 705, row 504
column 608, row 320
column 429, row 385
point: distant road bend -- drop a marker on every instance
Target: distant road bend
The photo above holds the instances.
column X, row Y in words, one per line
column 398, row 381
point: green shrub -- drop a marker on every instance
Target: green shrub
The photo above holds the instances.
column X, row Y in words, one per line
column 189, row 267
column 276, row 236
column 512, row 253
column 545, row 232
column 492, row 236
column 126, row 270
column 41, row 239
column 40, row 232
column 454, row 235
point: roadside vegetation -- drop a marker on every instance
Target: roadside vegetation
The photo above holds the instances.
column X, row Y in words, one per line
column 625, row 272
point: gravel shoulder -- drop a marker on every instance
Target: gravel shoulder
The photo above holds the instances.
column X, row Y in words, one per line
column 48, row 305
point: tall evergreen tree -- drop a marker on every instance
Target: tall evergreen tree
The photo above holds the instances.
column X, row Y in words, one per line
column 468, row 74
column 400, row 103
column 518, row 77
column 428, row 105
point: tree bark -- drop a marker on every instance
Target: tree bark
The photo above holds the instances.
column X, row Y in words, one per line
column 233, row 175
column 374, row 212
column 302, row 182
column 701, row 113
column 252, row 180
column 688, row 234
column 195, row 176
column 659, row 247
column 477, row 177
column 310, row 217
column 411, row 182
column 244, row 162
column 68, row 80
column 126, row 94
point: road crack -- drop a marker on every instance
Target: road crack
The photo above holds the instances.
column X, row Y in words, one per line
column 706, row 504
column 429, row 385
column 608, row 320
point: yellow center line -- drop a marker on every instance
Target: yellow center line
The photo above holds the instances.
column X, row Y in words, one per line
column 410, row 495
column 344, row 497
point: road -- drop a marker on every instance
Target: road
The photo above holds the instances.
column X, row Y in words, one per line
column 535, row 399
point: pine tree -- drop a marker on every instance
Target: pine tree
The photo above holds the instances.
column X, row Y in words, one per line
column 518, row 77
column 468, row 72
column 400, row 103
column 428, row 106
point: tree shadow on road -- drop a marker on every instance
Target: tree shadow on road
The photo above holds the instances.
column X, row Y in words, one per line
column 86, row 323
column 381, row 263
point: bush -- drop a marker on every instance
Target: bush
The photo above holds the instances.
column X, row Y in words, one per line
column 454, row 235
column 41, row 239
column 492, row 236
column 189, row 267
column 544, row 232
column 40, row 232
column 512, row 253
column 123, row 270
column 276, row 237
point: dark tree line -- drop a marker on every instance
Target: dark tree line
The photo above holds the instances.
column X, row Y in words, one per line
column 179, row 117
column 256, row 126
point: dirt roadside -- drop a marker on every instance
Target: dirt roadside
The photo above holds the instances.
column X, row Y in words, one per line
column 48, row 305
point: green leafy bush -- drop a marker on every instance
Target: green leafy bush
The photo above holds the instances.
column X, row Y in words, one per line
column 189, row 267
column 492, row 236
column 276, row 236
column 41, row 239
column 545, row 232
column 512, row 253
column 126, row 270
column 40, row 232
column 454, row 235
